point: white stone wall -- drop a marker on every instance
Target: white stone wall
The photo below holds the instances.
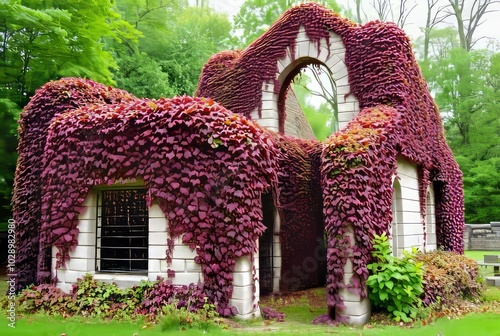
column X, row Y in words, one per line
column 186, row 270
column 332, row 55
column 83, row 257
column 296, row 123
column 397, row 218
column 244, row 297
column 410, row 229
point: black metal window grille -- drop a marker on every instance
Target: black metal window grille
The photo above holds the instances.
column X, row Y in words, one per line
column 122, row 231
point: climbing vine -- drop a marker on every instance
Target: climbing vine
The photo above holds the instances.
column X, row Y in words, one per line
column 205, row 166
column 51, row 100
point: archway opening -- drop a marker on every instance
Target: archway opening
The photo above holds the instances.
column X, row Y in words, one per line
column 396, row 230
column 430, row 220
column 308, row 100
column 267, row 249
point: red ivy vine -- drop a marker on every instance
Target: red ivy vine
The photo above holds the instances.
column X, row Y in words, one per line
column 51, row 100
column 205, row 166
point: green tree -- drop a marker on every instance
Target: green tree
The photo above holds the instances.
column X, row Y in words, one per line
column 41, row 41
column 256, row 16
column 177, row 40
column 481, row 189
column 9, row 113
column 143, row 76
column 466, row 86
column 45, row 40
column 318, row 110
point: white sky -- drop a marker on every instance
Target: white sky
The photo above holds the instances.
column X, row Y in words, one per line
column 490, row 28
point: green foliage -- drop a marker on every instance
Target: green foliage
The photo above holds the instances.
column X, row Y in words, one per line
column 320, row 118
column 95, row 299
column 42, row 41
column 176, row 42
column 481, row 189
column 100, row 299
column 89, row 298
column 143, row 76
column 9, row 113
column 449, row 278
column 175, row 319
column 466, row 85
column 46, row 40
column 395, row 284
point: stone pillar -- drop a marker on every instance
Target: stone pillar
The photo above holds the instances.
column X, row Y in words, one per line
column 356, row 311
column 244, row 297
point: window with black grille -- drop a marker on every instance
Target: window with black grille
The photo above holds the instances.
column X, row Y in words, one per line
column 122, row 231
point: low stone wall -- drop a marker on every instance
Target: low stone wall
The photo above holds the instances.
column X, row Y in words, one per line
column 482, row 236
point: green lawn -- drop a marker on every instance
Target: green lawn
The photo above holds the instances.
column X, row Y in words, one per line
column 472, row 324
column 479, row 255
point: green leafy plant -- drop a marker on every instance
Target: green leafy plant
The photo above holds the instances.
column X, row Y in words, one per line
column 395, row 284
column 180, row 319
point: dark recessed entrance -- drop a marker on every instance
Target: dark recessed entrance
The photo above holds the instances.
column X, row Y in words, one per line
column 266, row 251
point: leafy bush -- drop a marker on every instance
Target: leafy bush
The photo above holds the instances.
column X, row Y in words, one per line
column 192, row 298
column 46, row 299
column 449, row 277
column 175, row 318
column 96, row 298
column 92, row 298
column 395, row 284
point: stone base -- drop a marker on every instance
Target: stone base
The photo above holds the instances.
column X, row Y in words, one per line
column 355, row 320
column 493, row 281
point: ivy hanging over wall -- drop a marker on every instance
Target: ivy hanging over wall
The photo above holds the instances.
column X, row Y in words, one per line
column 53, row 99
column 397, row 117
column 300, row 198
column 358, row 165
column 205, row 166
column 235, row 78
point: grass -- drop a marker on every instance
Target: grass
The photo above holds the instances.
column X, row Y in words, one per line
column 478, row 324
column 479, row 255
column 491, row 294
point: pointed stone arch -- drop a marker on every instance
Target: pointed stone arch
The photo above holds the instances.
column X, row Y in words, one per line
column 328, row 52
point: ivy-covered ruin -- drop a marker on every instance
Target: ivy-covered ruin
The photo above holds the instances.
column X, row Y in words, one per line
column 207, row 164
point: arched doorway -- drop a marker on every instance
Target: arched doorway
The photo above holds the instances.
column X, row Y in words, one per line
column 268, row 250
column 308, row 98
column 430, row 220
column 397, row 220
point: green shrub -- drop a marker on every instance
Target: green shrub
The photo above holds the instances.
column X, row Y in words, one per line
column 179, row 319
column 394, row 284
column 450, row 277
column 92, row 298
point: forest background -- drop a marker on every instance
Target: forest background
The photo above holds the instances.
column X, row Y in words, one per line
column 157, row 48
